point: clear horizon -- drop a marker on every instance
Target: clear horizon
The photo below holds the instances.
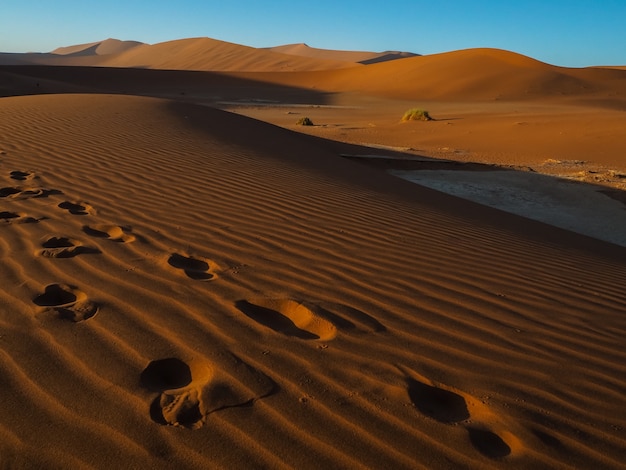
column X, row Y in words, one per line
column 572, row 34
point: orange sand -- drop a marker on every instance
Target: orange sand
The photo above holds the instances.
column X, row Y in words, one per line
column 186, row 287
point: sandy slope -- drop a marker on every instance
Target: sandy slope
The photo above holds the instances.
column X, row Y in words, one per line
column 474, row 75
column 106, row 47
column 183, row 287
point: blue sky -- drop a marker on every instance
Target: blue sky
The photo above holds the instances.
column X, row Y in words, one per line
column 562, row 32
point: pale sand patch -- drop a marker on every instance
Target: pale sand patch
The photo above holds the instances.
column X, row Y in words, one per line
column 580, row 208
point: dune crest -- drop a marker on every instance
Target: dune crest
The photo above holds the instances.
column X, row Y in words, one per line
column 362, row 57
column 106, row 47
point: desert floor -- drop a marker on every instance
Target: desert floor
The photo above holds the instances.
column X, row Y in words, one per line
column 557, row 164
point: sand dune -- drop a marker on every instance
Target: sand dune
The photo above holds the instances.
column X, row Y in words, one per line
column 468, row 76
column 473, row 75
column 186, row 287
column 80, row 54
column 211, row 54
column 281, row 307
column 183, row 54
column 362, row 57
column 106, row 47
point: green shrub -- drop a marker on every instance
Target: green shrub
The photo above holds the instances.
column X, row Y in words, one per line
column 416, row 114
column 305, row 121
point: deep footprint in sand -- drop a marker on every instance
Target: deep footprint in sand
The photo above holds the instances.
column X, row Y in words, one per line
column 77, row 208
column 68, row 302
column 195, row 268
column 111, row 232
column 16, row 218
column 436, row 403
column 9, row 192
column 64, row 247
column 289, row 317
column 189, row 391
column 21, row 175
column 488, row 443
column 26, row 193
column 454, row 407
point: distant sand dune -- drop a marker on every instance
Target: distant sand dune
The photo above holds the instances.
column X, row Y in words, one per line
column 182, row 54
column 106, row 47
column 473, row 75
column 347, row 56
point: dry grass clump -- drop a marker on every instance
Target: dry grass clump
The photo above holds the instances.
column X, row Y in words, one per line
column 305, row 121
column 416, row 114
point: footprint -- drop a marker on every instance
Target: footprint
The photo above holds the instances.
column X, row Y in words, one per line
column 183, row 408
column 348, row 318
column 195, row 268
column 488, row 443
column 441, row 405
column 5, row 215
column 68, row 302
column 22, row 175
column 189, row 391
column 112, row 232
column 289, row 317
column 77, row 209
column 27, row 193
column 16, row 217
column 7, row 192
column 165, row 374
column 450, row 406
column 63, row 247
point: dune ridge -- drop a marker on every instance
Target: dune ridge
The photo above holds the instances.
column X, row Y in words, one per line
column 181, row 54
column 431, row 332
column 362, row 57
column 108, row 46
column 472, row 75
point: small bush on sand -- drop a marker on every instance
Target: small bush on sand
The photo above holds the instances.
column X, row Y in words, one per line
column 305, row 121
column 416, row 114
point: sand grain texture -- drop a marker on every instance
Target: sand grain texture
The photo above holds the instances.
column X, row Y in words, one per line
column 184, row 287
